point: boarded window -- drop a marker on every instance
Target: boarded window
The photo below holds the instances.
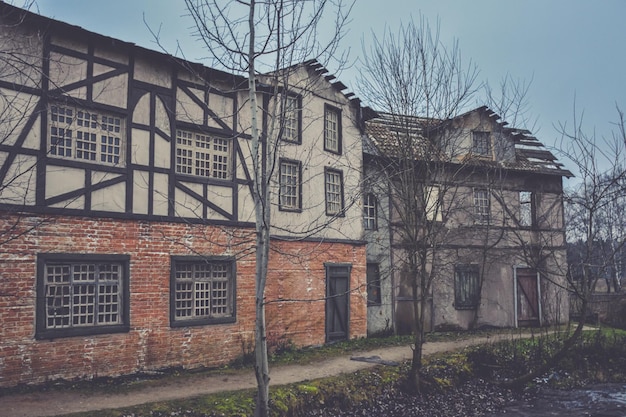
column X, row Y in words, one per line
column 433, row 204
column 466, row 287
column 373, row 284
column 526, row 212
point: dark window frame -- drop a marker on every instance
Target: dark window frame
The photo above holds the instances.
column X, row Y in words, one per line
column 298, row 112
column 186, row 159
column 481, row 143
column 232, row 286
column 86, row 134
column 466, row 294
column 374, row 293
column 42, row 331
column 337, row 111
column 341, row 211
column 281, row 206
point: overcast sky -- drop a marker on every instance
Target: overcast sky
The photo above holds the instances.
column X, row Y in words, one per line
column 572, row 50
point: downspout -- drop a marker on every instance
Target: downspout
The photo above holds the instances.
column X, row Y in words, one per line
column 515, row 321
column 539, row 299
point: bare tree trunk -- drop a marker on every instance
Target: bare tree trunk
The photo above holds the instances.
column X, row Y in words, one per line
column 418, row 340
column 262, row 221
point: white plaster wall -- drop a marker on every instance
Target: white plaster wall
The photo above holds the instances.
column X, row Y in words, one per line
column 152, row 71
column 140, row 192
column 20, row 180
column 22, row 59
column 111, row 198
column 15, row 110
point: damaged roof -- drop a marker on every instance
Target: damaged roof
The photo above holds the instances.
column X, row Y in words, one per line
column 383, row 130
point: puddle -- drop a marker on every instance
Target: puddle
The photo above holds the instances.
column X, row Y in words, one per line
column 602, row 400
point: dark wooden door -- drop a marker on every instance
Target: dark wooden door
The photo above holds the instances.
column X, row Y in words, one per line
column 527, row 297
column 337, row 303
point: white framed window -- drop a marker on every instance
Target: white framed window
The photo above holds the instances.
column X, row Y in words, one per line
column 332, row 129
column 291, row 119
column 202, row 290
column 290, row 185
column 81, row 294
column 334, row 192
column 370, row 214
column 481, row 205
column 85, row 135
column 202, row 155
column 481, row 144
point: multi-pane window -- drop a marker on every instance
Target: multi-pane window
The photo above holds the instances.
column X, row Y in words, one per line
column 526, row 215
column 291, row 120
column 370, row 217
column 82, row 294
column 290, row 185
column 481, row 205
column 373, row 284
column 202, row 291
column 85, row 135
column 202, row 155
column 332, row 129
column 334, row 192
column 466, row 286
column 481, row 144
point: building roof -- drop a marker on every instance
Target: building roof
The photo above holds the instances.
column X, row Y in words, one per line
column 383, row 130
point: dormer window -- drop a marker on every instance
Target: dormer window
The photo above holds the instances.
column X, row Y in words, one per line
column 481, row 144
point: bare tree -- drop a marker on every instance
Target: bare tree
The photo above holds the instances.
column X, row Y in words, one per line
column 599, row 165
column 420, row 85
column 263, row 41
column 594, row 206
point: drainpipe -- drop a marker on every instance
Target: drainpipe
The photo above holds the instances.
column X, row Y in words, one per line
column 515, row 324
column 539, row 299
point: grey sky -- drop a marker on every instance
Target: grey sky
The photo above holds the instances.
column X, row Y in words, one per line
column 569, row 48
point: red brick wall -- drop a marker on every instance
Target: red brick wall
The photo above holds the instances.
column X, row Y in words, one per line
column 295, row 289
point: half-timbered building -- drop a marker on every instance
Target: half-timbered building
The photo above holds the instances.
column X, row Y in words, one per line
column 127, row 220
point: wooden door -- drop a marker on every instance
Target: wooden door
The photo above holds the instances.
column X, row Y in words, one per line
column 528, row 307
column 337, row 303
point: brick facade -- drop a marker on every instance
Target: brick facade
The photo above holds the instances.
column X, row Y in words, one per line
column 297, row 273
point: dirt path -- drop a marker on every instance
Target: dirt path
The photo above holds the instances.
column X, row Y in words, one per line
column 54, row 403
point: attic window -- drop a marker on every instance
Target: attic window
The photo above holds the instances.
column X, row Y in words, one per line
column 332, row 129
column 481, row 144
